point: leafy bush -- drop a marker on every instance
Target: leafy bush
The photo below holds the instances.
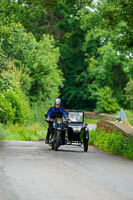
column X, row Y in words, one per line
column 7, row 113
column 20, row 106
column 106, row 102
column 114, row 143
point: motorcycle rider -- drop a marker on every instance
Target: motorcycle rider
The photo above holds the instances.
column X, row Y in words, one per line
column 54, row 112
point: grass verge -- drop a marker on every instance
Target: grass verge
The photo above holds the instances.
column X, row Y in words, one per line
column 32, row 132
column 91, row 121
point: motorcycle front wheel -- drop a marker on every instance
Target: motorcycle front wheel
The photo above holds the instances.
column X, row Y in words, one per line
column 57, row 140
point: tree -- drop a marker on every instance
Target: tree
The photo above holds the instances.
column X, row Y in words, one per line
column 57, row 18
column 107, row 52
column 95, row 42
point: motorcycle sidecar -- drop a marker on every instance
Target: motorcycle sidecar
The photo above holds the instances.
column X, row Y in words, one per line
column 78, row 131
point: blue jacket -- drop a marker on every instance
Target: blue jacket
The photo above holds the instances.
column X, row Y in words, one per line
column 56, row 113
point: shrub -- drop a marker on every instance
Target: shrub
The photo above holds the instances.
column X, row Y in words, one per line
column 20, row 105
column 7, row 113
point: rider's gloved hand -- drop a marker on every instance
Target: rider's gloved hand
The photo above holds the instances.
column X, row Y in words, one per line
column 48, row 119
column 68, row 120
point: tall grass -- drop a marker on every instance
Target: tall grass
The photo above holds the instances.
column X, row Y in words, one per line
column 32, row 132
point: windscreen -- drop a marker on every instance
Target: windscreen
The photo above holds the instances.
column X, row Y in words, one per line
column 75, row 116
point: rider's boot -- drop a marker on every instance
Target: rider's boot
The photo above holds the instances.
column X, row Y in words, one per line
column 47, row 141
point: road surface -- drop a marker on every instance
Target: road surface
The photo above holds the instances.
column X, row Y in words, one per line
column 32, row 171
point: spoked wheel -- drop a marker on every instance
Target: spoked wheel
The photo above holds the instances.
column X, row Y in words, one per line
column 57, row 141
column 85, row 145
column 53, row 141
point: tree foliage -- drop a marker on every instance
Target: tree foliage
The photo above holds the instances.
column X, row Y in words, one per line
column 107, row 48
column 37, row 59
column 95, row 41
column 129, row 93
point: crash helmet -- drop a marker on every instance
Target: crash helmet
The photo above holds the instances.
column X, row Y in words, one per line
column 57, row 101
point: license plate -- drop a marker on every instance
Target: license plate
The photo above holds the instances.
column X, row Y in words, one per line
column 76, row 129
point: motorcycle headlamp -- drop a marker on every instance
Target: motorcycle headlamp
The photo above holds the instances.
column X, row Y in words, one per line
column 59, row 121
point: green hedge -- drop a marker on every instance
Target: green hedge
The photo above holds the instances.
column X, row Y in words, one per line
column 115, row 143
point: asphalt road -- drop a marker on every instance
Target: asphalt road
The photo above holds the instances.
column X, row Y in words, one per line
column 32, row 171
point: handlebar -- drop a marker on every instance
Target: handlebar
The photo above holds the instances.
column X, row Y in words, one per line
column 50, row 120
column 53, row 120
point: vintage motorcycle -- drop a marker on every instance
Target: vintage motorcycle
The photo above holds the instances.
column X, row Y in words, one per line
column 58, row 133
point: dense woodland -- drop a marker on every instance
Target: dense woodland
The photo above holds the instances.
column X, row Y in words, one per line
column 81, row 51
